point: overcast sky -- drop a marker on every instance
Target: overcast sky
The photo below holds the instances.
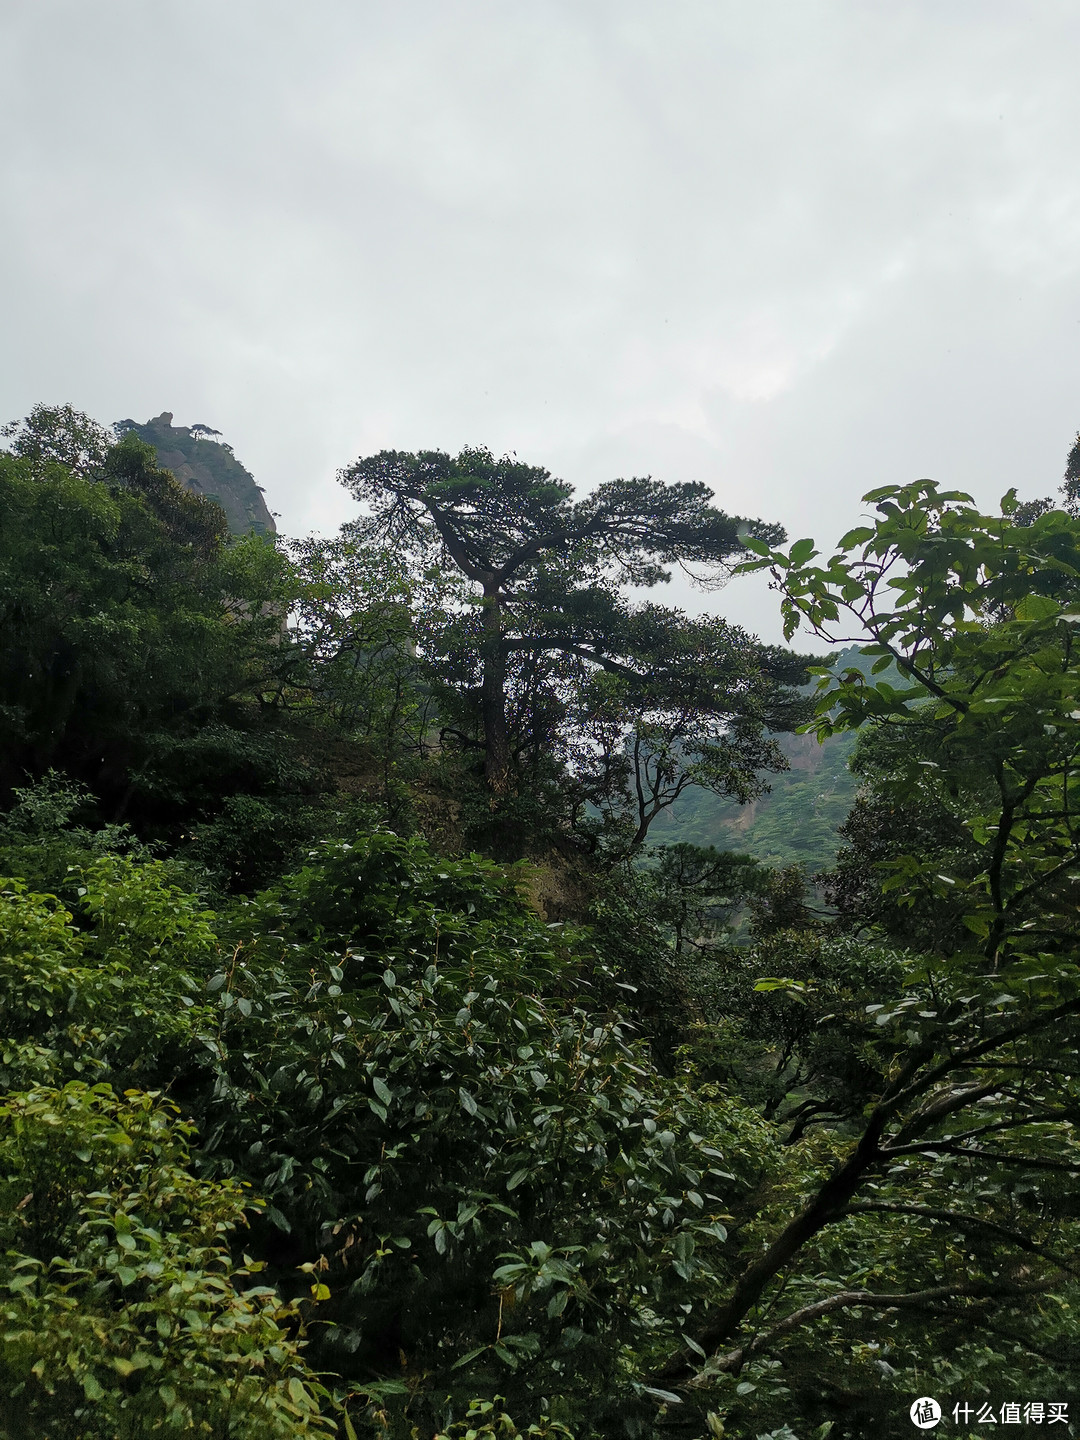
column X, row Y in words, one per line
column 793, row 248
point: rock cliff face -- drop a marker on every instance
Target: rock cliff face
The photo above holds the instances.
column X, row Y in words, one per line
column 208, row 467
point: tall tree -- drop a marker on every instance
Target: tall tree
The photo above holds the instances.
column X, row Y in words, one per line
column 59, row 434
column 128, row 619
column 545, row 573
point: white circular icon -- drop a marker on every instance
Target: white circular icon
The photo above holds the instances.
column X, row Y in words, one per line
column 925, row 1413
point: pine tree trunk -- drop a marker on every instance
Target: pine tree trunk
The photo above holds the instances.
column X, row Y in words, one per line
column 493, row 699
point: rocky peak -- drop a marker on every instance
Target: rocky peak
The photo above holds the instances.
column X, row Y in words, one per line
column 208, row 467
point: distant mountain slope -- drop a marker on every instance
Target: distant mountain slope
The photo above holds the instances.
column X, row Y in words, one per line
column 208, row 467
column 797, row 821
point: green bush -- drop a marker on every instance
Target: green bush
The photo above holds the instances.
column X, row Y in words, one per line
column 123, row 1312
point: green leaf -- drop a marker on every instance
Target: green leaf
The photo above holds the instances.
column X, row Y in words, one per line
column 1036, row 607
column 667, row 1396
column 471, row 1355
column 467, row 1101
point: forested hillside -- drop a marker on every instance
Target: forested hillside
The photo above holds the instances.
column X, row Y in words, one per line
column 799, row 818
column 413, row 1022
column 795, row 822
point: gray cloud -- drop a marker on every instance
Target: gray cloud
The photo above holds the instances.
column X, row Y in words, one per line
column 792, row 249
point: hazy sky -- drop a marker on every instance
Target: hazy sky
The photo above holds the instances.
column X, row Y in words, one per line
column 793, row 248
